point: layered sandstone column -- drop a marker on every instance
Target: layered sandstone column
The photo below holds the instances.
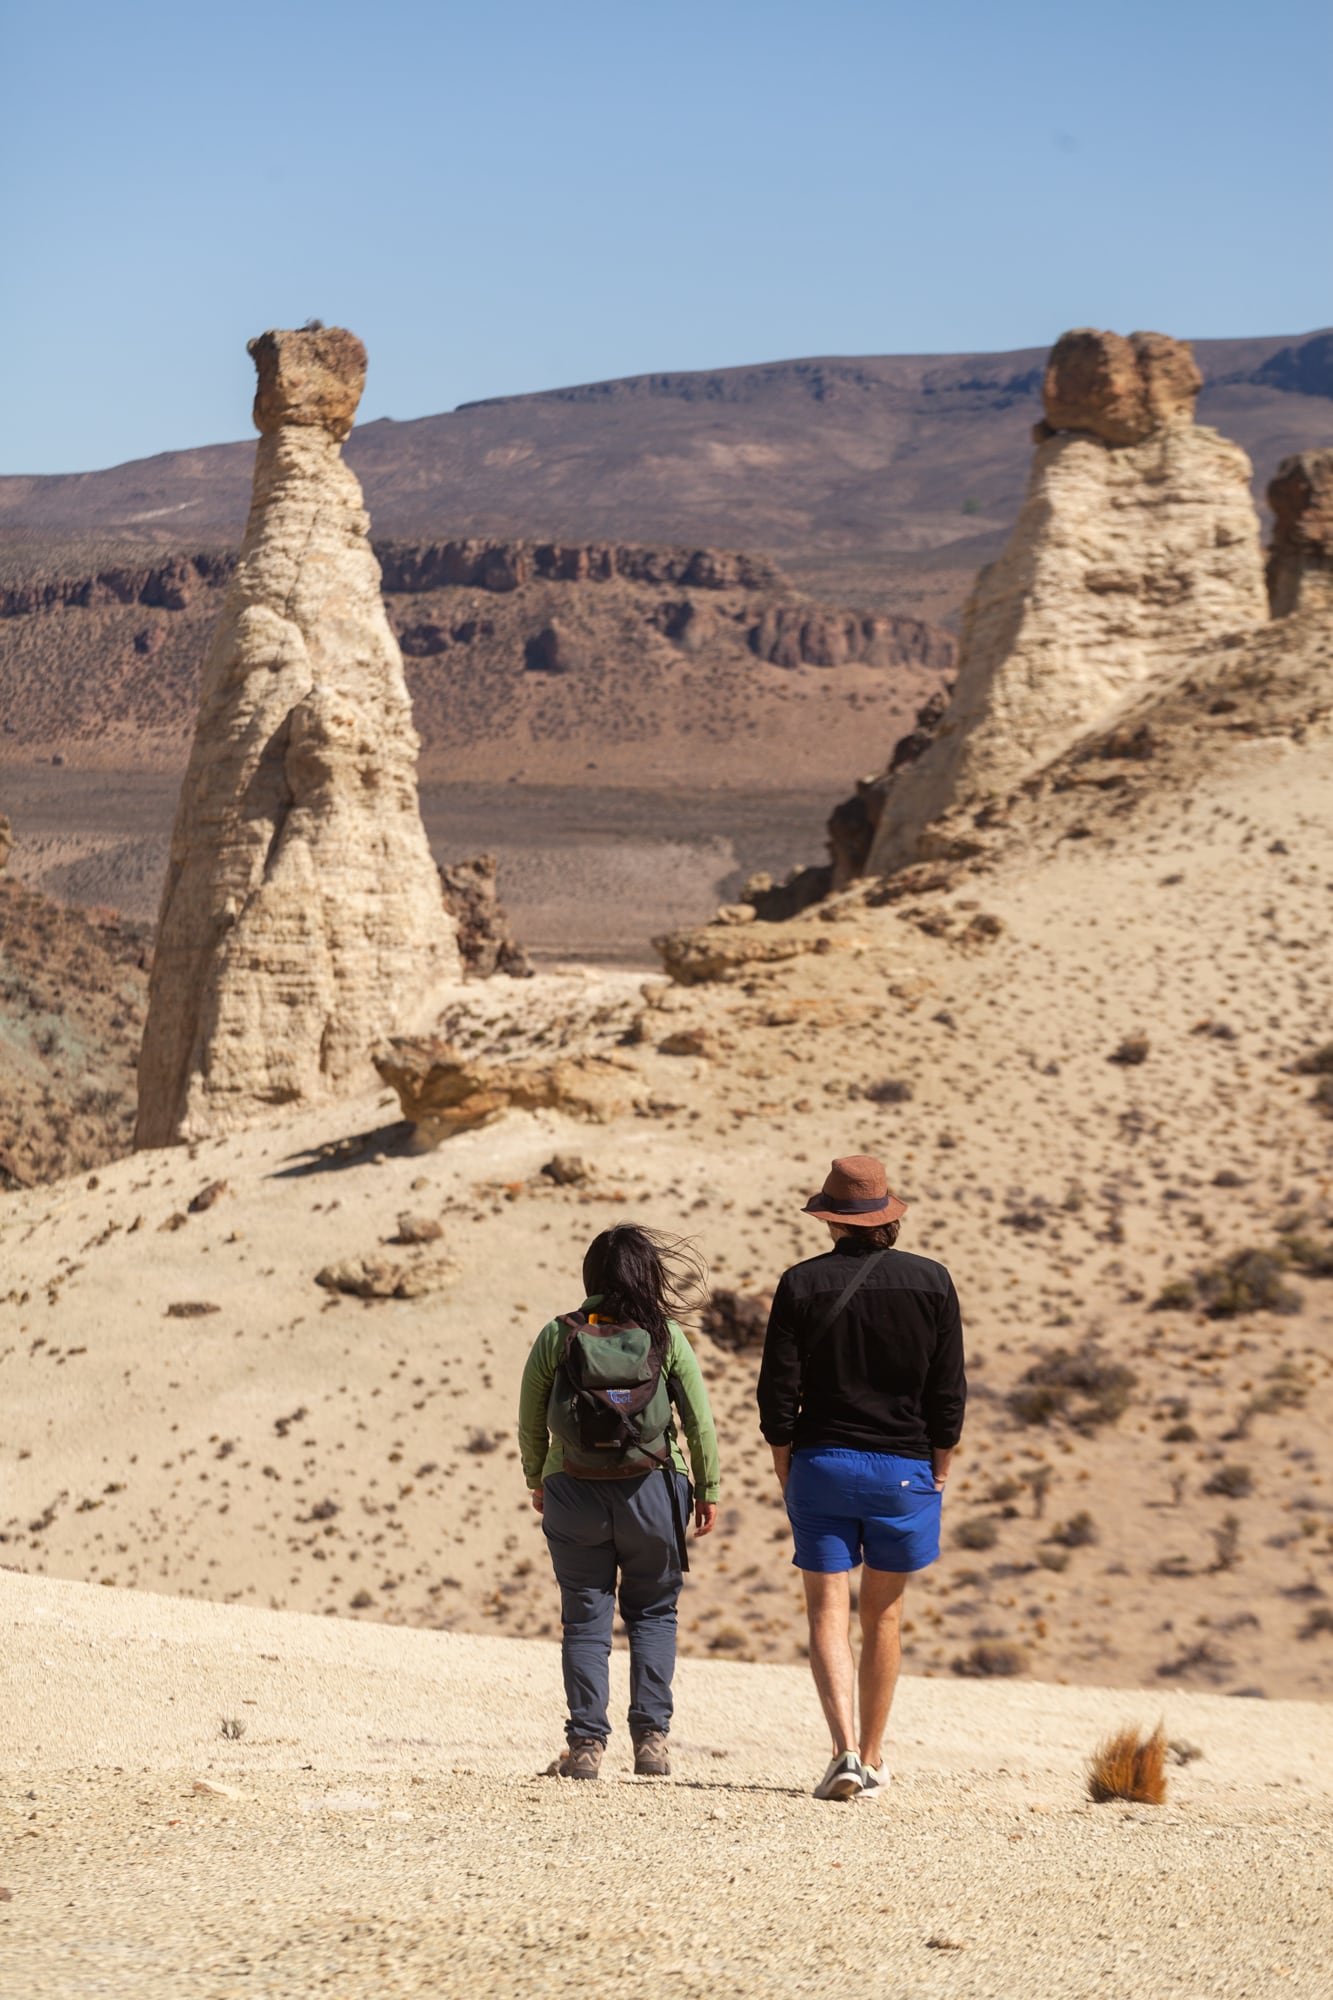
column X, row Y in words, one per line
column 302, row 919
column 1300, row 560
column 1137, row 541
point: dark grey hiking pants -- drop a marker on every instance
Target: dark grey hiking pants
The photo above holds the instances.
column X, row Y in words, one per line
column 596, row 1529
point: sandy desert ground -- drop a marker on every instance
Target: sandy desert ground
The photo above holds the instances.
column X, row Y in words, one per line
column 587, row 875
column 381, row 1828
column 188, row 1410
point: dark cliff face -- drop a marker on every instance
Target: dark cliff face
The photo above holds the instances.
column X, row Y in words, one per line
column 527, row 657
column 167, row 585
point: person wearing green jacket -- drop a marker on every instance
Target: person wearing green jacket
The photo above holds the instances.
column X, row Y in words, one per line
column 598, row 1438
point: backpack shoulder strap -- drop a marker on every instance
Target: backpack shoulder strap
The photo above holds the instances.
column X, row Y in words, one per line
column 864, row 1266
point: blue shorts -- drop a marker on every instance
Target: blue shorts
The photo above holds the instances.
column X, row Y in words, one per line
column 842, row 1503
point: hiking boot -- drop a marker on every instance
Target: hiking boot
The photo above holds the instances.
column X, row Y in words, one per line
column 581, row 1758
column 650, row 1755
column 843, row 1778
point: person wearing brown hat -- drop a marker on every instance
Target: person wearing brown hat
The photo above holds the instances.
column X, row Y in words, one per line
column 861, row 1397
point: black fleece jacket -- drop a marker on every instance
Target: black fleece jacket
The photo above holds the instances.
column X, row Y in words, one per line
column 887, row 1376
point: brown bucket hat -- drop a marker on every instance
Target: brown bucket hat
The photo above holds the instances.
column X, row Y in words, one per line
column 856, row 1191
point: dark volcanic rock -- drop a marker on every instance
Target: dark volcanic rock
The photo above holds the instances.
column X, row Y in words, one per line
column 484, row 937
column 1301, row 557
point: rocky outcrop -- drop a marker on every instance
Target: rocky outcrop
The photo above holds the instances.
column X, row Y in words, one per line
column 72, row 993
column 302, row 917
column 443, row 1091
column 1120, row 390
column 804, row 634
column 485, row 939
column 1137, row 542
column 736, row 944
column 1300, row 558
column 482, row 563
column 166, row 585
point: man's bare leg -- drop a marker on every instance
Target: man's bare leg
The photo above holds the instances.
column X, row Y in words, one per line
column 828, row 1606
column 881, row 1655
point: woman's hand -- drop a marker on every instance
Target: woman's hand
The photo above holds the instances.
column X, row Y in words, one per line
column 705, row 1516
column 538, row 1499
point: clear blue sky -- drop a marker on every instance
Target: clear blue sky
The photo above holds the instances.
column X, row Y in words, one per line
column 510, row 197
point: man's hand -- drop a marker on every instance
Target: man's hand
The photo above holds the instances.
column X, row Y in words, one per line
column 939, row 1466
column 705, row 1516
column 538, row 1499
column 782, row 1463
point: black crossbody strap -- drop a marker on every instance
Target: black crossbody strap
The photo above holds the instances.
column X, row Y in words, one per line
column 864, row 1266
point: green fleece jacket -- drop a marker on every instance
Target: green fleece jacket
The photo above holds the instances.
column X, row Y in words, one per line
column 544, row 1455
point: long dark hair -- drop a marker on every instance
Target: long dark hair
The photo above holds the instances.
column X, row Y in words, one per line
column 642, row 1277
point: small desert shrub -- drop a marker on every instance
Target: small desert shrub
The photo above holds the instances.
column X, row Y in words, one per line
column 103, row 1103
column 1226, row 1543
column 233, row 1728
column 1083, row 1388
column 1322, row 1095
column 1251, row 1281
column 1319, row 1624
column 977, row 1532
column 480, row 1442
column 1285, row 1389
column 1318, row 1063
column 1005, row 1489
column 727, row 1639
column 889, row 1090
column 736, row 1319
column 1180, row 1434
column 1134, row 1049
column 1129, row 1766
column 1207, row 1657
column 1308, row 1254
column 1233, row 1482
column 991, row 1659
column 1051, row 1557
column 1080, row 1531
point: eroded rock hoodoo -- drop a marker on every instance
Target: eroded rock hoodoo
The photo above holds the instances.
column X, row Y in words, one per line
column 1137, row 541
column 302, row 919
column 1300, row 558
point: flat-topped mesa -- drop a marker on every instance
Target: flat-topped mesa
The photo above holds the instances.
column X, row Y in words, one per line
column 1300, row 558
column 302, row 919
column 1137, row 541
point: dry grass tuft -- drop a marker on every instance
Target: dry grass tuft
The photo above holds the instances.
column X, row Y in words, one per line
column 1129, row 1766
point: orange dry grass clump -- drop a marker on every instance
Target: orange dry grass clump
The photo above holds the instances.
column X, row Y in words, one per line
column 1127, row 1766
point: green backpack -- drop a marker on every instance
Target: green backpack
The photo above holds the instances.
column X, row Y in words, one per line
column 610, row 1403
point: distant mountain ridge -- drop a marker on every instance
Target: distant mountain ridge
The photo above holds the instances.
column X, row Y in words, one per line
column 878, row 480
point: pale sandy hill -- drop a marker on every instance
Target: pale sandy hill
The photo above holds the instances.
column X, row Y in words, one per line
column 380, row 1828
column 281, row 1447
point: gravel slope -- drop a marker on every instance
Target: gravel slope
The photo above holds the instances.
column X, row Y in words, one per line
column 382, row 1828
